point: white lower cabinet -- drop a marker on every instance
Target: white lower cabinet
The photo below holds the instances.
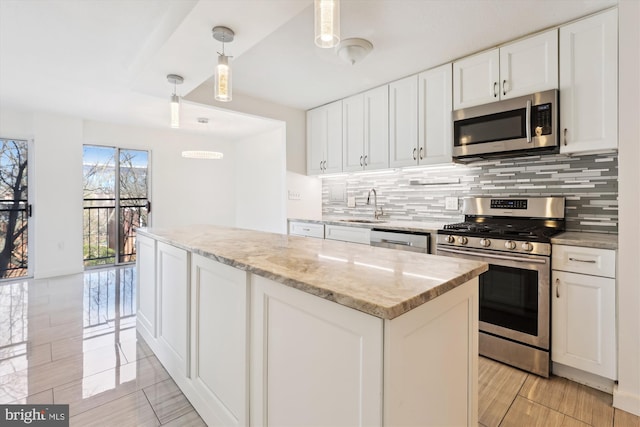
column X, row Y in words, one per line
column 249, row 351
column 583, row 310
column 219, row 349
column 344, row 233
column 173, row 314
column 306, row 229
column 307, row 350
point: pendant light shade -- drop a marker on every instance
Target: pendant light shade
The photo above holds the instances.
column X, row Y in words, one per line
column 175, row 111
column 175, row 100
column 223, row 88
column 327, row 23
column 222, row 91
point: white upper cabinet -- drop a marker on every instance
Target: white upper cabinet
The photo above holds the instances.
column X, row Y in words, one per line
column 366, row 130
column 435, row 127
column 324, row 139
column 403, row 122
column 529, row 65
column 420, row 128
column 589, row 84
column 516, row 69
column 475, row 79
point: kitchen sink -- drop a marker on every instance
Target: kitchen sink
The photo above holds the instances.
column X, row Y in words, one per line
column 363, row 221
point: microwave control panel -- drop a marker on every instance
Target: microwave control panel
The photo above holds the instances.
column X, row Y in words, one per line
column 541, row 119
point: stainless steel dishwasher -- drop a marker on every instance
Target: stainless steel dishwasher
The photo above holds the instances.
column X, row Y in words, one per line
column 403, row 240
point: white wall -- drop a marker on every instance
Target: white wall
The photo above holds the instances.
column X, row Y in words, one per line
column 310, row 188
column 261, row 182
column 183, row 191
column 626, row 395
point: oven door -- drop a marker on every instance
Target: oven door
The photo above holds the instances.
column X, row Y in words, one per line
column 514, row 295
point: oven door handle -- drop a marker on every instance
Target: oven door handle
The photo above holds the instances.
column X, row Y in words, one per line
column 494, row 256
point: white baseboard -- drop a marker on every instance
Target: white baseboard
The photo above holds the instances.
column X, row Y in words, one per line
column 626, row 401
column 583, row 377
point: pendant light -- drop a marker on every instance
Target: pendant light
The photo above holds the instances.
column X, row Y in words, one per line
column 222, row 89
column 327, row 23
column 175, row 100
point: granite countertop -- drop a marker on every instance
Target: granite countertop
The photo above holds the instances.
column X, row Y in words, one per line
column 588, row 240
column 382, row 282
column 413, row 226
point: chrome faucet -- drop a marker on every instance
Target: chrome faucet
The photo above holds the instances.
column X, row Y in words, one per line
column 376, row 213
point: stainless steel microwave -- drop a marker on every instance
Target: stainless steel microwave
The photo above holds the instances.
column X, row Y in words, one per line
column 526, row 125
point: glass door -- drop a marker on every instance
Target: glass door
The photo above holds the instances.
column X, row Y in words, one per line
column 14, row 208
column 115, row 203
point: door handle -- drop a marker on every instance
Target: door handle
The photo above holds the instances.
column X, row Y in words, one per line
column 29, row 210
column 414, row 154
column 365, row 160
column 360, row 160
column 421, row 156
column 589, row 261
column 504, row 87
column 148, row 206
column 557, row 288
column 495, row 92
column 565, row 136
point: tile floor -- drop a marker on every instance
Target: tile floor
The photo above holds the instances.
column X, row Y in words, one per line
column 72, row 340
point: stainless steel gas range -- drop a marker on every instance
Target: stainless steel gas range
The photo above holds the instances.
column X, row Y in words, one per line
column 513, row 236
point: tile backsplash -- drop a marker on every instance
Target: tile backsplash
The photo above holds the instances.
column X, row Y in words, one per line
column 588, row 182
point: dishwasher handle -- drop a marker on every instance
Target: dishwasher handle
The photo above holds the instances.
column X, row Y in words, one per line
column 396, row 242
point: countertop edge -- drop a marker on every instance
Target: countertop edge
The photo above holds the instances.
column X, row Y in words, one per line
column 586, row 239
column 383, row 312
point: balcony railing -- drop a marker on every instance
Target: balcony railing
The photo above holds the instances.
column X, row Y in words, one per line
column 100, row 228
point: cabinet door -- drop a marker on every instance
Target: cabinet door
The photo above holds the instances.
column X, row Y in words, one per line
column 173, row 317
column 347, row 234
column 403, row 122
column 313, row 362
column 583, row 323
column 146, row 295
column 476, row 79
column 219, row 351
column 589, row 84
column 333, row 156
column 316, row 140
column 529, row 65
column 435, row 127
column 306, row 229
column 353, row 133
column 376, row 128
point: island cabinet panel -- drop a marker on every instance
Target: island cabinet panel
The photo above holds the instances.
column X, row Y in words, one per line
column 173, row 317
column 146, row 295
column 421, row 387
column 313, row 362
column 219, row 350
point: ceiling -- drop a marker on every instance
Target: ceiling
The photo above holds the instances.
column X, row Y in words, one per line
column 108, row 60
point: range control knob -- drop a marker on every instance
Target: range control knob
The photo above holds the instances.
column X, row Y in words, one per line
column 510, row 244
column 485, row 243
column 450, row 238
column 462, row 240
column 526, row 246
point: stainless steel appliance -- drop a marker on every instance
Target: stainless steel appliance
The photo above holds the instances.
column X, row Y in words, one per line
column 517, row 126
column 403, row 240
column 513, row 236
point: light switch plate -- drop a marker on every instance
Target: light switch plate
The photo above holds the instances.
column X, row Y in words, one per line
column 451, row 203
column 351, row 201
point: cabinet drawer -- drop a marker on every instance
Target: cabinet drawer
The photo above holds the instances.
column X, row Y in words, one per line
column 348, row 234
column 306, row 229
column 596, row 262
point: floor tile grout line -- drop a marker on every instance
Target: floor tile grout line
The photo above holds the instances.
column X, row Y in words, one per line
column 514, row 399
column 144, row 393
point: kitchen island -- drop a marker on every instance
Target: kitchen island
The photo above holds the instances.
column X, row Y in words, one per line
column 267, row 329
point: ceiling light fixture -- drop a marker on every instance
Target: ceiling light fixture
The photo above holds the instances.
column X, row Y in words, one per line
column 222, row 90
column 327, row 23
column 353, row 50
column 202, row 154
column 175, row 100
